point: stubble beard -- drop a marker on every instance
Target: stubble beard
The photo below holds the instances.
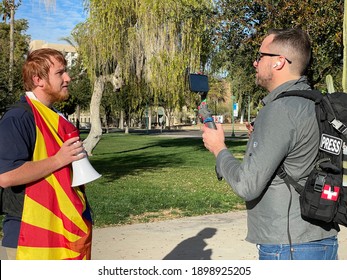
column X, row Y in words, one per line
column 57, row 96
column 263, row 82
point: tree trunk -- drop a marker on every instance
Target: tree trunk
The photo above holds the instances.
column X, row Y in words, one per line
column 121, row 120
column 78, row 116
column 149, row 118
column 127, row 124
column 10, row 82
column 242, row 114
column 95, row 131
column 106, row 123
column 157, row 118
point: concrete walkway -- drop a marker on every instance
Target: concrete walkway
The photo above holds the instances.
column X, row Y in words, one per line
column 215, row 237
column 210, row 237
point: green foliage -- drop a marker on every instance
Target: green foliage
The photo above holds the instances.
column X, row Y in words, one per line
column 242, row 24
column 20, row 49
column 322, row 20
column 153, row 42
column 145, row 176
column 5, row 8
column 108, row 100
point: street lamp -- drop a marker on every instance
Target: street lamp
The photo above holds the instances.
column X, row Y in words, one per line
column 146, row 118
column 232, row 116
column 249, row 108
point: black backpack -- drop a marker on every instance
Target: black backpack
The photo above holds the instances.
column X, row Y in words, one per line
column 324, row 196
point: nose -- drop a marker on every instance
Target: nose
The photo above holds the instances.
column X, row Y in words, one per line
column 255, row 63
column 67, row 77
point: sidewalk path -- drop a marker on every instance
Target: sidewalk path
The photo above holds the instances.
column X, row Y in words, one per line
column 210, row 237
column 215, row 237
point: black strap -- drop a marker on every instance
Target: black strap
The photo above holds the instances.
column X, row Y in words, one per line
column 219, row 177
column 314, row 95
column 288, row 180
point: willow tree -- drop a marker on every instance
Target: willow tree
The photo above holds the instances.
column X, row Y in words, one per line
column 145, row 45
column 173, row 36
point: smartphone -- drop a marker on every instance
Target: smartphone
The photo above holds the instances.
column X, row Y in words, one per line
column 198, row 83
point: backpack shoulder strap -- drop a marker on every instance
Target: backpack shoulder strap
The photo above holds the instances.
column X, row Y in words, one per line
column 288, row 180
column 313, row 95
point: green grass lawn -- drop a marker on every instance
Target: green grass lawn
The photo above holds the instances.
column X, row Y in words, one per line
column 146, row 178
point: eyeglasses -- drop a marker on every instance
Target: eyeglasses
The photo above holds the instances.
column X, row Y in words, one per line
column 261, row 54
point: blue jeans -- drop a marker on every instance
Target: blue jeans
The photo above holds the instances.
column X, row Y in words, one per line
column 325, row 249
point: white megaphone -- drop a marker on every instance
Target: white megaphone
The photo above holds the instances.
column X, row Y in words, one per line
column 82, row 171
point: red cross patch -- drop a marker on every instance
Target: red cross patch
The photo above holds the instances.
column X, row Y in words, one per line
column 330, row 193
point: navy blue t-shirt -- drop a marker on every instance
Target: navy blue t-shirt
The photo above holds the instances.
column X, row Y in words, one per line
column 17, row 143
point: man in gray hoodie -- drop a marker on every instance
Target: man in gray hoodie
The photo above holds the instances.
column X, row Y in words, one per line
column 285, row 130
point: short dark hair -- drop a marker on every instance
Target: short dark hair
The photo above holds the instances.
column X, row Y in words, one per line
column 297, row 42
column 38, row 63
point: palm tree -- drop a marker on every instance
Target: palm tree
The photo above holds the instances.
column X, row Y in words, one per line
column 8, row 8
column 10, row 82
column 4, row 11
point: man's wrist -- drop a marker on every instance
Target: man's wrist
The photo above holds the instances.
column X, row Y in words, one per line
column 218, row 150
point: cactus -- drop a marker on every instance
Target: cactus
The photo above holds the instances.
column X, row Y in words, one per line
column 330, row 84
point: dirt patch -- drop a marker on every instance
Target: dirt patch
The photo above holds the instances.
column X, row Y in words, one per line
column 148, row 217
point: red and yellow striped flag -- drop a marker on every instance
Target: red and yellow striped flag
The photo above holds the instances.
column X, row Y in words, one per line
column 56, row 222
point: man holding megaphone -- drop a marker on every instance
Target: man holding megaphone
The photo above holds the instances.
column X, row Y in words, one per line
column 45, row 217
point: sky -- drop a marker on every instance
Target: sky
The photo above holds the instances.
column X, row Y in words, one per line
column 54, row 23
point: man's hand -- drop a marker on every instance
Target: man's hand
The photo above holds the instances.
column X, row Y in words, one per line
column 250, row 128
column 214, row 139
column 31, row 171
column 71, row 150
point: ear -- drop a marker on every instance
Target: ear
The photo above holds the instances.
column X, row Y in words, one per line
column 38, row 82
column 277, row 64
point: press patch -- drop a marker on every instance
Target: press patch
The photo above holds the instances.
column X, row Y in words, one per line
column 330, row 144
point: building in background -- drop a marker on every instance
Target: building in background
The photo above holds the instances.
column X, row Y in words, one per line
column 68, row 50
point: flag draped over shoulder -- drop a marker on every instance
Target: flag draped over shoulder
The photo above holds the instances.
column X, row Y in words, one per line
column 56, row 222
